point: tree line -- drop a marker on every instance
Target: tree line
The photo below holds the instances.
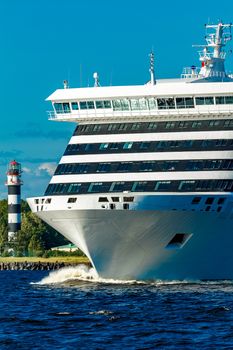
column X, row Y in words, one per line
column 35, row 238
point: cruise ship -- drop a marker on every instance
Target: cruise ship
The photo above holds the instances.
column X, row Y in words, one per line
column 145, row 185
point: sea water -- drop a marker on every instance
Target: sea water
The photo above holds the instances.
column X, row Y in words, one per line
column 73, row 308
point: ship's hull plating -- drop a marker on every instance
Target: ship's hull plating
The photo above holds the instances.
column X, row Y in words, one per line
column 134, row 244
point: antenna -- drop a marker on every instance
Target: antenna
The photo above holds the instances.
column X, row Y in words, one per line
column 151, row 70
column 96, row 77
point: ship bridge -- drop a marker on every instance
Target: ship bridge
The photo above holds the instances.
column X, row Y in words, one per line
column 176, row 98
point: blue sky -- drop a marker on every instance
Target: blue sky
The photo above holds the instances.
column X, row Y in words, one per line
column 44, row 42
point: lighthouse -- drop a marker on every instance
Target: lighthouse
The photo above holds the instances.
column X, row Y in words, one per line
column 14, row 199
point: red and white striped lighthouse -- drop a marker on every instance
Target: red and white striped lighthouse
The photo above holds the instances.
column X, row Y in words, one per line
column 14, row 198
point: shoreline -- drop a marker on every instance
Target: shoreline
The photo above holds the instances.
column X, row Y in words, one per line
column 43, row 264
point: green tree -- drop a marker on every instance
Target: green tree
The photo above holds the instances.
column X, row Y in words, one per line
column 34, row 237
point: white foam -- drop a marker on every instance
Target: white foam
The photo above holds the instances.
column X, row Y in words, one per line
column 81, row 273
column 89, row 274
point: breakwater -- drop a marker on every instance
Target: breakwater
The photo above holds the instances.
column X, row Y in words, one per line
column 40, row 266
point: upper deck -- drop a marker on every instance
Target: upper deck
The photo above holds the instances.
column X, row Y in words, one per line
column 177, row 98
column 206, row 92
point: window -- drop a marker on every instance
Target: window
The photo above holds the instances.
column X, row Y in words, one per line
column 139, row 104
column 166, row 103
column 209, row 200
column 115, row 199
column 204, row 100
column 196, row 125
column 183, row 125
column 152, row 126
column 96, row 128
column 103, row 199
column 83, row 105
column 72, row 200
column 170, row 125
column 124, row 104
column 95, row 187
column 221, row 200
column 87, row 105
column 186, row 185
column 139, row 186
column 102, row 104
column 128, row 199
column 124, row 166
column 74, row 106
column 122, row 127
column 135, row 126
column 134, row 103
column 116, row 105
column 147, row 166
column 74, row 188
column 125, row 206
column 117, row 187
column 103, row 146
column 143, row 104
column 196, row 200
column 127, row 145
column 114, row 145
column 81, row 168
column 62, row 107
column 184, row 102
column 103, row 168
column 145, row 145
column 214, row 123
column 228, row 123
column 229, row 99
column 224, row 100
column 162, row 185
column 152, row 103
column 112, row 127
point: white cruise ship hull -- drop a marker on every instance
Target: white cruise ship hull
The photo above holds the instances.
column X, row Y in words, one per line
column 137, row 243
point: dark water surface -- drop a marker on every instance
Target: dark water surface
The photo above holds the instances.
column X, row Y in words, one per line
column 79, row 314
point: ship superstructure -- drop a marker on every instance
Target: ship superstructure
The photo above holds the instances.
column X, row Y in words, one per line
column 145, row 185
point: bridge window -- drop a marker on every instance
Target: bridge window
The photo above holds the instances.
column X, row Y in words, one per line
column 166, row 103
column 62, row 107
column 152, row 103
column 220, row 100
column 184, row 102
column 204, row 100
column 74, row 106
column 134, row 103
column 87, row 105
column 103, row 104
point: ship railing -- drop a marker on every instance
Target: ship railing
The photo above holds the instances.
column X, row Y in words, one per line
column 89, row 114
